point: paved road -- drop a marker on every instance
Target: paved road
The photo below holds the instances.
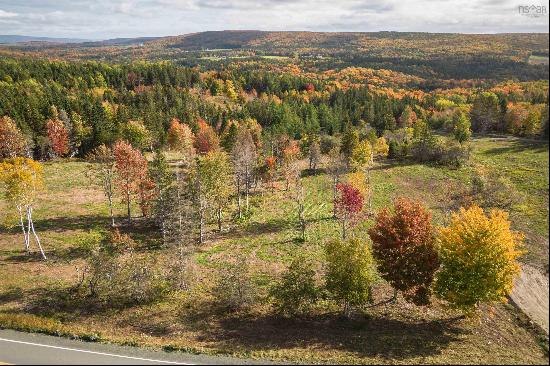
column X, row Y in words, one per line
column 26, row 348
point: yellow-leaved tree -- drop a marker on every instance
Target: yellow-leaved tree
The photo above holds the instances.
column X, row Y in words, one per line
column 478, row 255
column 362, row 158
column 21, row 180
column 350, row 272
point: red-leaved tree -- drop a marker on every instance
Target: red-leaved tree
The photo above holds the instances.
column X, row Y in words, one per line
column 348, row 205
column 206, row 139
column 404, row 248
column 58, row 135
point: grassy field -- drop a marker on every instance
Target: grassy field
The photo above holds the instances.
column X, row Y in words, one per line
column 538, row 60
column 72, row 210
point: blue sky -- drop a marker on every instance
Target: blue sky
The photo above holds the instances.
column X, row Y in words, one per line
column 131, row 18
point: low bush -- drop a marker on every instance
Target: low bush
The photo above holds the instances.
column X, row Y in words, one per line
column 297, row 291
column 234, row 288
column 328, row 143
column 115, row 275
column 445, row 151
column 491, row 190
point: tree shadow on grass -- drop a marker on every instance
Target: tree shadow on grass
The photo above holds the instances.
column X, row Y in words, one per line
column 145, row 232
column 394, row 163
column 72, row 302
column 263, row 228
column 312, row 172
column 141, row 230
column 61, row 224
column 22, row 257
column 11, row 294
column 380, row 337
column 518, row 146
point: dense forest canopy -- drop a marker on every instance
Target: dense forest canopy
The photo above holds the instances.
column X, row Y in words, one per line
column 434, row 56
column 294, row 83
column 101, row 98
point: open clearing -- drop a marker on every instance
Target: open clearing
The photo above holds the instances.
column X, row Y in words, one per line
column 72, row 210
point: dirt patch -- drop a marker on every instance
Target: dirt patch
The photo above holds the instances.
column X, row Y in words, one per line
column 531, row 295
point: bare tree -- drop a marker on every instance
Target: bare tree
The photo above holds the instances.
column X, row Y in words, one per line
column 299, row 197
column 314, row 155
column 103, row 172
column 337, row 165
column 244, row 158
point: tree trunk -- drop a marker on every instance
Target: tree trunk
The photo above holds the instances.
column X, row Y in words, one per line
column 369, row 185
column 303, row 225
column 344, row 229
column 201, row 227
column 247, row 187
column 108, row 185
column 347, row 310
column 219, row 213
column 128, row 201
column 239, row 210
column 334, row 194
column 111, row 210
column 29, row 217
column 201, row 215
column 25, row 233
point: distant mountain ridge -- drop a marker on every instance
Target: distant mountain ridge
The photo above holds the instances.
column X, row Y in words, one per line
column 286, row 40
column 121, row 41
column 13, row 38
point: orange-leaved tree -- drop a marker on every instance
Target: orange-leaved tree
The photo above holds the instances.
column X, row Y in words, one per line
column 478, row 256
column 180, row 137
column 206, row 139
column 132, row 176
column 403, row 244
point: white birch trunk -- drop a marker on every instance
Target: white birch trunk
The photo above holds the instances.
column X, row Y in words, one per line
column 25, row 232
column 31, row 224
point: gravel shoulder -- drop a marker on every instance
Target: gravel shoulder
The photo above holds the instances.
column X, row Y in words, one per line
column 531, row 295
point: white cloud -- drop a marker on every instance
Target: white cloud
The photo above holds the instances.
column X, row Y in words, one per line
column 129, row 18
column 7, row 14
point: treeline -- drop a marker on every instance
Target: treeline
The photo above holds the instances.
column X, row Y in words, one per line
column 100, row 103
column 451, row 67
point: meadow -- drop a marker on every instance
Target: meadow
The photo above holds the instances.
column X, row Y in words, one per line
column 73, row 212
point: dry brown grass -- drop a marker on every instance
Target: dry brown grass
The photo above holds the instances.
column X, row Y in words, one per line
column 33, row 294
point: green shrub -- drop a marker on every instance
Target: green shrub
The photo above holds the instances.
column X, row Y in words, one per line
column 491, row 190
column 453, row 154
column 328, row 143
column 350, row 272
column 234, row 288
column 296, row 292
